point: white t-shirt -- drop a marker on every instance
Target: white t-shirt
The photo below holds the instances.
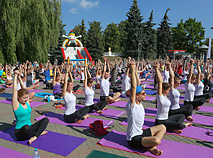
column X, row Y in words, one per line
column 104, row 87
column 174, row 96
column 70, row 103
column 135, row 117
column 19, row 85
column 82, row 76
column 125, row 83
column 189, row 92
column 185, row 73
column 89, row 96
column 163, row 104
column 199, row 89
column 166, row 76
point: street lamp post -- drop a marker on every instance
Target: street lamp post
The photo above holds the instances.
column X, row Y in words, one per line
column 138, row 50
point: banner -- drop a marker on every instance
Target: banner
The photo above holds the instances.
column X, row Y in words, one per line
column 209, row 50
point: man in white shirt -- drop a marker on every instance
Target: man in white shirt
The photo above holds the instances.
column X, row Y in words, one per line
column 136, row 137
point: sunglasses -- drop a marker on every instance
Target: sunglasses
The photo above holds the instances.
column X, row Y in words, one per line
column 144, row 93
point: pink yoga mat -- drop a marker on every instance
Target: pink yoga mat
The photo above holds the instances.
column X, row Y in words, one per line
column 117, row 140
column 9, row 153
column 32, row 104
column 59, row 119
column 190, row 132
column 200, row 119
column 106, row 113
column 36, row 90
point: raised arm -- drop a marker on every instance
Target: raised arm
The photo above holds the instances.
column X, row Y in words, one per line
column 191, row 71
column 54, row 77
column 15, row 102
column 70, row 74
column 172, row 76
column 65, row 81
column 133, row 82
column 104, row 70
column 199, row 73
column 85, row 75
column 159, row 78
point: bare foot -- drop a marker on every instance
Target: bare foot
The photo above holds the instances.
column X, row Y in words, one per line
column 197, row 108
column 44, row 132
column 155, row 151
column 207, row 100
column 2, row 90
column 99, row 112
column 117, row 100
column 86, row 116
column 187, row 124
column 79, row 121
column 32, row 139
column 189, row 118
column 105, row 108
column 178, row 131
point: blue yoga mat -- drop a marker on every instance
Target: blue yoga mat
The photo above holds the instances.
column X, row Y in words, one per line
column 6, row 95
column 43, row 94
column 150, row 92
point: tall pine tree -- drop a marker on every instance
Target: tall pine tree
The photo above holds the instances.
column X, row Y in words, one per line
column 134, row 30
column 164, row 37
column 122, row 35
column 95, row 40
column 83, row 33
column 150, row 42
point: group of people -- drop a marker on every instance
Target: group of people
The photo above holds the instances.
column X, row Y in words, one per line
column 125, row 78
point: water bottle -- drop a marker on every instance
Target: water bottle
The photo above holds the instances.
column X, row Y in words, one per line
column 36, row 153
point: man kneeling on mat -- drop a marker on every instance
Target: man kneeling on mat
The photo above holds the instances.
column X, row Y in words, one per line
column 137, row 138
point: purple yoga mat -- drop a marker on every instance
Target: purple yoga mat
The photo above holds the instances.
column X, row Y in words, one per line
column 145, row 82
column 9, row 153
column 152, row 80
column 117, row 140
column 150, row 98
column 211, row 101
column 36, row 90
column 200, row 119
column 190, row 132
column 181, row 88
column 32, row 104
column 52, row 142
column 59, row 119
column 106, row 113
column 149, row 87
column 119, row 104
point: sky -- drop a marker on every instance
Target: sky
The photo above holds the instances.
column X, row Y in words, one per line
column 114, row 11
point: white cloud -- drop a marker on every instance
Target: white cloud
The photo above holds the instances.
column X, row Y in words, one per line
column 71, row 1
column 88, row 4
column 73, row 10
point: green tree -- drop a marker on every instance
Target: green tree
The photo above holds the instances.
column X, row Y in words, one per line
column 134, row 30
column 76, row 29
column 95, row 40
column 188, row 35
column 164, row 37
column 111, row 38
column 150, row 42
column 83, row 33
column 122, row 35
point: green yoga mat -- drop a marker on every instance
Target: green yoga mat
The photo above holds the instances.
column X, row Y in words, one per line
column 99, row 154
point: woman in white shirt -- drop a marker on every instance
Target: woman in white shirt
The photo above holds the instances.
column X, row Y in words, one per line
column 190, row 90
column 89, row 94
column 70, row 114
column 135, row 135
column 175, row 122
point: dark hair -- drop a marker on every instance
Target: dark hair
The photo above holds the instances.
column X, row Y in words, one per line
column 165, row 86
column 176, row 79
column 89, row 80
column 57, row 75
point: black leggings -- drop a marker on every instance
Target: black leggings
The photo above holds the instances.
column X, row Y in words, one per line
column 206, row 95
column 57, row 95
column 196, row 102
column 77, row 115
column 29, row 131
column 98, row 106
column 173, row 122
column 116, row 88
column 76, row 88
column 185, row 109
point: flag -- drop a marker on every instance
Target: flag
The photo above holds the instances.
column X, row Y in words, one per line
column 209, row 50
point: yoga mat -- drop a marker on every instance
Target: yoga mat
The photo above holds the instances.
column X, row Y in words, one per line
column 36, row 90
column 150, row 98
column 190, row 132
column 106, row 113
column 43, row 94
column 211, row 101
column 59, row 119
column 150, row 80
column 119, row 104
column 52, row 142
column 99, row 154
column 6, row 95
column 181, row 88
column 117, row 140
column 32, row 104
column 9, row 153
column 145, row 82
column 149, row 87
column 200, row 119
column 150, row 92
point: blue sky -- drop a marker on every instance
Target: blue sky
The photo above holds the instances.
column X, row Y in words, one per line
column 108, row 11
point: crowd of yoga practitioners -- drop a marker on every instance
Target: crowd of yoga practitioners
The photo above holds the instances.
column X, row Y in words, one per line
column 115, row 80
